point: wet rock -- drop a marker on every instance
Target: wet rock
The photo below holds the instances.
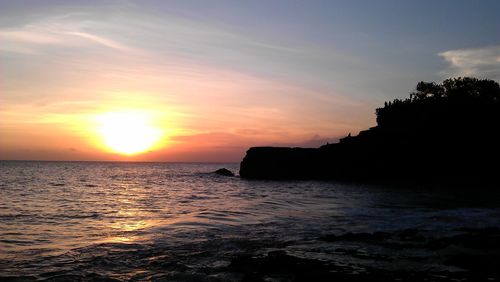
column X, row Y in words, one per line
column 224, row 172
column 279, row 266
column 485, row 264
column 411, row 235
column 481, row 239
column 377, row 236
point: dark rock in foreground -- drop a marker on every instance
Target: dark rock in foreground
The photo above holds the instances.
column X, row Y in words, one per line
column 224, row 172
column 405, row 255
column 442, row 132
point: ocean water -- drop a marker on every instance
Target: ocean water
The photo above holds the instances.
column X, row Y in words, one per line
column 176, row 221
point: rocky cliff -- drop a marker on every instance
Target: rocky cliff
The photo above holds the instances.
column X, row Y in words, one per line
column 442, row 131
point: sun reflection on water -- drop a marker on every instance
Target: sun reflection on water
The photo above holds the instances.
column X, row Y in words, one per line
column 125, row 230
column 129, row 220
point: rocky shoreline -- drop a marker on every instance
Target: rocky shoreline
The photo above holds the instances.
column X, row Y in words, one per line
column 464, row 254
column 406, row 255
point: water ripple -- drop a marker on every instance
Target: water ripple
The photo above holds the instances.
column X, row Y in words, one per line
column 133, row 221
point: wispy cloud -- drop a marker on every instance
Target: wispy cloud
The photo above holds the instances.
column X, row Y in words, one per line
column 100, row 40
column 482, row 62
column 52, row 32
column 30, row 35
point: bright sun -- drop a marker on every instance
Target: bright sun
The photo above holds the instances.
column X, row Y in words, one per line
column 128, row 132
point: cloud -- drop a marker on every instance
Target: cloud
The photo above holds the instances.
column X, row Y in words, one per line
column 100, row 40
column 30, row 38
column 481, row 62
column 30, row 35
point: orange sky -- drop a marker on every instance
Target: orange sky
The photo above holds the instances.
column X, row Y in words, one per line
column 62, row 71
column 213, row 117
column 212, row 80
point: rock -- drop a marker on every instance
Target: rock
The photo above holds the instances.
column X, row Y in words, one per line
column 224, row 172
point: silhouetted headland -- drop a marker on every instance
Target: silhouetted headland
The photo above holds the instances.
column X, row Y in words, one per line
column 441, row 132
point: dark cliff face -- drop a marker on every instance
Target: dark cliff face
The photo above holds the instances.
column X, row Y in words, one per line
column 279, row 163
column 451, row 132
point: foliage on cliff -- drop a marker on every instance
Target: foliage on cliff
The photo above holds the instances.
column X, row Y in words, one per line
column 455, row 102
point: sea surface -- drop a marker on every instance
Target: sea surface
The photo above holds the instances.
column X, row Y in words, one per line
column 178, row 221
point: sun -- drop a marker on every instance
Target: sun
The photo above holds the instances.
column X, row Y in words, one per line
column 128, row 132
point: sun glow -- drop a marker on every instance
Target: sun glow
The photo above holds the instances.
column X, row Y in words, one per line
column 128, row 132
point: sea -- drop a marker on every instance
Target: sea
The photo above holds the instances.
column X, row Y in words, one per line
column 120, row 221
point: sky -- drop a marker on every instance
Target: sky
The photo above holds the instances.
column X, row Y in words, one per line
column 212, row 78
